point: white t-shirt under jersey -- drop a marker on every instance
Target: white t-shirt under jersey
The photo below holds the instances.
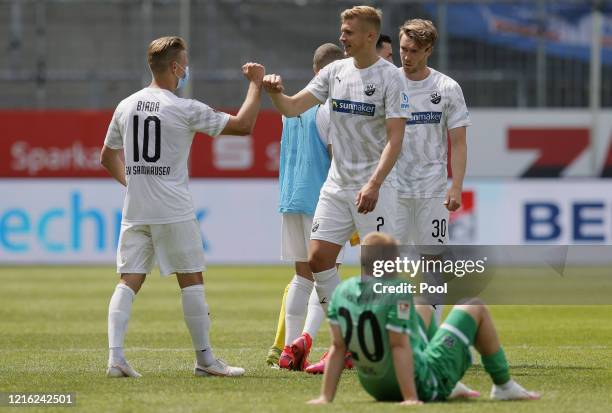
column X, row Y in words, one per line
column 156, row 128
column 436, row 105
column 360, row 101
column 322, row 123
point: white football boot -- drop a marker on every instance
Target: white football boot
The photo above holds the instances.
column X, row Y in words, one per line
column 122, row 370
column 218, row 368
column 461, row 391
column 512, row 391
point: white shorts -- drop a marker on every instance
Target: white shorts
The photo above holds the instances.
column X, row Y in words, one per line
column 422, row 221
column 295, row 236
column 177, row 248
column 336, row 216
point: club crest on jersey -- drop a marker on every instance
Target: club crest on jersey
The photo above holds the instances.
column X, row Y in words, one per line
column 403, row 310
column 404, row 104
column 436, row 97
column 370, row 89
column 449, row 341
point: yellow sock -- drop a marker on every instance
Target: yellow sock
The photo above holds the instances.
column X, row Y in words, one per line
column 279, row 341
column 355, row 239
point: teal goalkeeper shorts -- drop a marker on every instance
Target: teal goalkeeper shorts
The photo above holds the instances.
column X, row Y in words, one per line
column 448, row 353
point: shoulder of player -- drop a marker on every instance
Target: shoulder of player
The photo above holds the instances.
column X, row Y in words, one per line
column 193, row 106
column 391, row 73
column 131, row 98
column 445, row 81
column 338, row 65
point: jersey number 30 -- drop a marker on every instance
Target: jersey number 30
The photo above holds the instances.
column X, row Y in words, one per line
column 145, row 139
column 366, row 316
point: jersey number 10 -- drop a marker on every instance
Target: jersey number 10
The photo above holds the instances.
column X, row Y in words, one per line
column 145, row 139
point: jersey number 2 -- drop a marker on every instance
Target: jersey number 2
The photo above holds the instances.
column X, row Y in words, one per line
column 145, row 139
column 377, row 355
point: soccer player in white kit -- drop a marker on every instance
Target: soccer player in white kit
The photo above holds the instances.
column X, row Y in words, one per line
column 368, row 114
column 437, row 108
column 154, row 128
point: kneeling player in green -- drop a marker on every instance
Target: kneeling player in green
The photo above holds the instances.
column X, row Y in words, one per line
column 394, row 362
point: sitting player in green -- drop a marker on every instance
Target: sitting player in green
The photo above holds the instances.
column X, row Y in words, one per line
column 394, row 361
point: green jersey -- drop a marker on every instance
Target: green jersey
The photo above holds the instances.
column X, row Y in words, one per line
column 365, row 315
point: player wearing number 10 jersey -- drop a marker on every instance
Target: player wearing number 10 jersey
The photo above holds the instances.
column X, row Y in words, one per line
column 154, row 129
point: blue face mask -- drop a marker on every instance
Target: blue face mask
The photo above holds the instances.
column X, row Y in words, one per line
column 182, row 81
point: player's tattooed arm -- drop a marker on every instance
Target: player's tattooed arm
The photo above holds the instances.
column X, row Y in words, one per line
column 334, row 367
column 289, row 106
column 112, row 161
column 368, row 195
column 244, row 121
column 458, row 163
column 404, row 367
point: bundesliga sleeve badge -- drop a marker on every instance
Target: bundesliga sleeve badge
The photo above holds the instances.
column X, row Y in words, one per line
column 403, row 310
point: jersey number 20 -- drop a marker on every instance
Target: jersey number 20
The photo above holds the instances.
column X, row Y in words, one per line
column 145, row 139
column 366, row 316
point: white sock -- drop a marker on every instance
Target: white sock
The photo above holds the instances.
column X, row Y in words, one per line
column 508, row 385
column 325, row 283
column 119, row 310
column 195, row 311
column 314, row 316
column 295, row 307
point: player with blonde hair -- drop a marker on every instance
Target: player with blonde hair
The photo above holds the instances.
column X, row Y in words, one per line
column 437, row 110
column 368, row 113
column 152, row 130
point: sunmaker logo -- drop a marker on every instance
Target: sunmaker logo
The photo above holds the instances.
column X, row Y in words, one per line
column 419, row 118
column 354, row 108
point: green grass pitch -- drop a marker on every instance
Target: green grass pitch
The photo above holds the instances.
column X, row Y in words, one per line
column 53, row 339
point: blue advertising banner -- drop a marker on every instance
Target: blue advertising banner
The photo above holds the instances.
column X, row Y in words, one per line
column 566, row 27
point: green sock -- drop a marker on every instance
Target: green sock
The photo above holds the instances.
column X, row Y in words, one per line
column 497, row 366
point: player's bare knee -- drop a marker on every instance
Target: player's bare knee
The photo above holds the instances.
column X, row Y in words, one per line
column 188, row 279
column 303, row 270
column 425, row 311
column 473, row 306
column 134, row 281
column 471, row 301
column 315, row 262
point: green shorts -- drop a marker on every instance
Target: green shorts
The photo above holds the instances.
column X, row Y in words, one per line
column 448, row 353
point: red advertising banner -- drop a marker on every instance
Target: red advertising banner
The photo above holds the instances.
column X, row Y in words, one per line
column 62, row 144
column 509, row 143
column 36, row 144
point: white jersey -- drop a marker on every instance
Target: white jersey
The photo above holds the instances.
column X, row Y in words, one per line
column 360, row 101
column 156, row 128
column 436, row 105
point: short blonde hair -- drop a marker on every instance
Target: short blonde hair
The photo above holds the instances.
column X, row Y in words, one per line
column 377, row 246
column 379, row 239
column 423, row 32
column 366, row 14
column 164, row 50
